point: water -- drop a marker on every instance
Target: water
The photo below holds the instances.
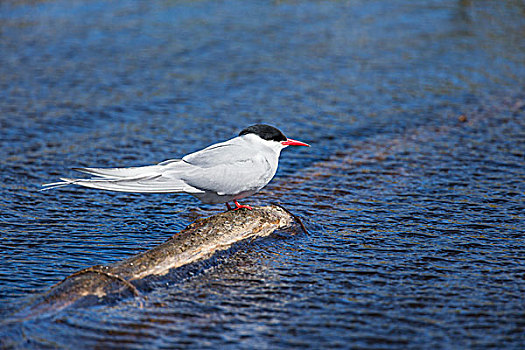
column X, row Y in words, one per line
column 413, row 191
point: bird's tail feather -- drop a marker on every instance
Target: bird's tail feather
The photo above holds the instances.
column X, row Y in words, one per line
column 146, row 179
column 121, row 172
column 54, row 185
column 142, row 185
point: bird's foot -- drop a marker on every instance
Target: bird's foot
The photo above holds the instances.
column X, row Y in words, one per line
column 240, row 206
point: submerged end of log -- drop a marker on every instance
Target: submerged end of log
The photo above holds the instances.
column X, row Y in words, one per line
column 197, row 242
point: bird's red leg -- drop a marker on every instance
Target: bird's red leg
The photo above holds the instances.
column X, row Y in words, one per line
column 228, row 205
column 240, row 206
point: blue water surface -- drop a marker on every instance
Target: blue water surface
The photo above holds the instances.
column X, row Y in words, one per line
column 413, row 190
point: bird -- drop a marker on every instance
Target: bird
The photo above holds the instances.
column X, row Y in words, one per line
column 221, row 173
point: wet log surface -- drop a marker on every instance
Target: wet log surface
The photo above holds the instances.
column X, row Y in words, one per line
column 197, row 242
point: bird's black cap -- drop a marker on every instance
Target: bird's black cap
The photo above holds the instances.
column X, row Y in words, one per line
column 265, row 132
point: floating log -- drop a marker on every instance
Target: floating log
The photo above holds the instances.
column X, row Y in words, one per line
column 197, row 242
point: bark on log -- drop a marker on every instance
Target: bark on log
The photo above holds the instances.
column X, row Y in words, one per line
column 197, row 242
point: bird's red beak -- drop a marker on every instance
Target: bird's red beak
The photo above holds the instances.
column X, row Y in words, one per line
column 292, row 142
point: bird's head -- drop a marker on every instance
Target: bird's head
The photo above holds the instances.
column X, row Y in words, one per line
column 272, row 136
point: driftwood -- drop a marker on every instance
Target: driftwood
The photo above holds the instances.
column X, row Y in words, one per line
column 197, row 242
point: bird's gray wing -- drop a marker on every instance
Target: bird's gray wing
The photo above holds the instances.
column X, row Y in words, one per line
column 227, row 169
column 221, row 153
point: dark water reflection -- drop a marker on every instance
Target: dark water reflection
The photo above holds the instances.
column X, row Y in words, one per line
column 415, row 213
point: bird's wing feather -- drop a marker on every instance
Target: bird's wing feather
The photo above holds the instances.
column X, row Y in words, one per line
column 236, row 176
column 227, row 152
column 150, row 184
column 161, row 178
column 127, row 172
column 228, row 168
